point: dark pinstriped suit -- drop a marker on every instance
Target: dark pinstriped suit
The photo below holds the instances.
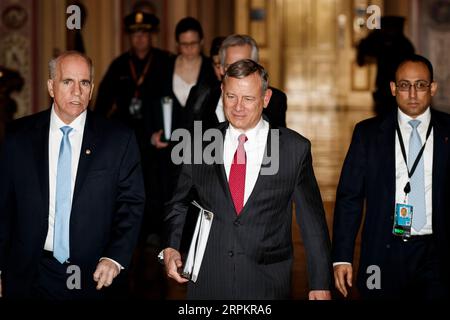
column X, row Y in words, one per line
column 250, row 256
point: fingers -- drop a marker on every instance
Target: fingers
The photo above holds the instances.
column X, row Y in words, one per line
column 156, row 140
column 319, row 295
column 342, row 278
column 105, row 274
column 172, row 262
column 172, row 271
column 349, row 279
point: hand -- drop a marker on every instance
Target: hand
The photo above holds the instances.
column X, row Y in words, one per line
column 319, row 295
column 343, row 274
column 156, row 140
column 105, row 273
column 172, row 261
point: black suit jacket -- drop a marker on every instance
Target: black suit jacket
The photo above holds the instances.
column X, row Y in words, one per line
column 202, row 102
column 368, row 176
column 107, row 204
column 249, row 256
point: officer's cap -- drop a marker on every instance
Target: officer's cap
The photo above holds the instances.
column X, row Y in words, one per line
column 141, row 21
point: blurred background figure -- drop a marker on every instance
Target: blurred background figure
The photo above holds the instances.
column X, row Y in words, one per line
column 189, row 68
column 10, row 81
column 132, row 81
column 387, row 47
column 201, row 91
column 214, row 55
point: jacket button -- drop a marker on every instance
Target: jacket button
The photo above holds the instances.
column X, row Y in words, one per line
column 230, row 253
column 237, row 223
column 388, row 246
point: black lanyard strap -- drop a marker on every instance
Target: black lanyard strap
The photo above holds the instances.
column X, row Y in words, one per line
column 407, row 188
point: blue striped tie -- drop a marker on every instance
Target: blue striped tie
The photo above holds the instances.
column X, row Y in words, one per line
column 417, row 195
column 63, row 204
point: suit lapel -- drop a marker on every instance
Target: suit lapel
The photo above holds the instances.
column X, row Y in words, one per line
column 88, row 148
column 386, row 156
column 40, row 149
column 440, row 157
column 221, row 174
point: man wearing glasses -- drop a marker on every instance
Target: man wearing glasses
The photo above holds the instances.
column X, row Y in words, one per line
column 397, row 164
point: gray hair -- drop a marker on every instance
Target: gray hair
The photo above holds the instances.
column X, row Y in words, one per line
column 238, row 40
column 54, row 62
column 243, row 68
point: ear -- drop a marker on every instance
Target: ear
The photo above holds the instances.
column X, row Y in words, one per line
column 434, row 87
column 393, row 88
column 50, row 88
column 92, row 91
column 267, row 96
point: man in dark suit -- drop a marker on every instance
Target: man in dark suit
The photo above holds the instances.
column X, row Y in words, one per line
column 382, row 171
column 206, row 102
column 71, row 193
column 249, row 251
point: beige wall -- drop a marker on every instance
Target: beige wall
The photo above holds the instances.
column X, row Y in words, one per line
column 101, row 35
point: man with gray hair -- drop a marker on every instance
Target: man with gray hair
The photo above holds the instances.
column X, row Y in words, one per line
column 249, row 251
column 236, row 47
column 71, row 194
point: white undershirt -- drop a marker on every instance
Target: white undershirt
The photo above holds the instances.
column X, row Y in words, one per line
column 181, row 89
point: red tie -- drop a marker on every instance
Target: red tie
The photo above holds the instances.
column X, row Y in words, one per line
column 237, row 175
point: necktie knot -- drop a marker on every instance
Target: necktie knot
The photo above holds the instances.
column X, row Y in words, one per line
column 242, row 139
column 414, row 123
column 66, row 130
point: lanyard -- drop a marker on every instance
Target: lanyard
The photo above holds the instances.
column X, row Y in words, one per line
column 141, row 78
column 407, row 188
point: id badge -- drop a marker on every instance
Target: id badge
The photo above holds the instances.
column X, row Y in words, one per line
column 135, row 108
column 402, row 220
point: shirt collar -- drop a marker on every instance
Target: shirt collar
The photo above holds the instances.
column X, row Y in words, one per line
column 78, row 124
column 424, row 118
column 251, row 133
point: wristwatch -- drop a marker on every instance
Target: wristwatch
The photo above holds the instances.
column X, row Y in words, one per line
column 161, row 257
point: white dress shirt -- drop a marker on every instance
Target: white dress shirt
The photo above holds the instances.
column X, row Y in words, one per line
column 54, row 141
column 254, row 149
column 219, row 110
column 401, row 177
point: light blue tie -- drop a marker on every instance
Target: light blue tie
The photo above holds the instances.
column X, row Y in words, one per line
column 63, row 204
column 417, row 195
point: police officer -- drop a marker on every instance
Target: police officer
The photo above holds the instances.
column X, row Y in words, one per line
column 136, row 76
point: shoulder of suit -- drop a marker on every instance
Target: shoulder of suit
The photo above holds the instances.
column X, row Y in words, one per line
column 440, row 115
column 292, row 137
column 277, row 92
column 109, row 125
column 30, row 121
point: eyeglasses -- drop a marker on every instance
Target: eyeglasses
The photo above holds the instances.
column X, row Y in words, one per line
column 420, row 85
column 188, row 44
